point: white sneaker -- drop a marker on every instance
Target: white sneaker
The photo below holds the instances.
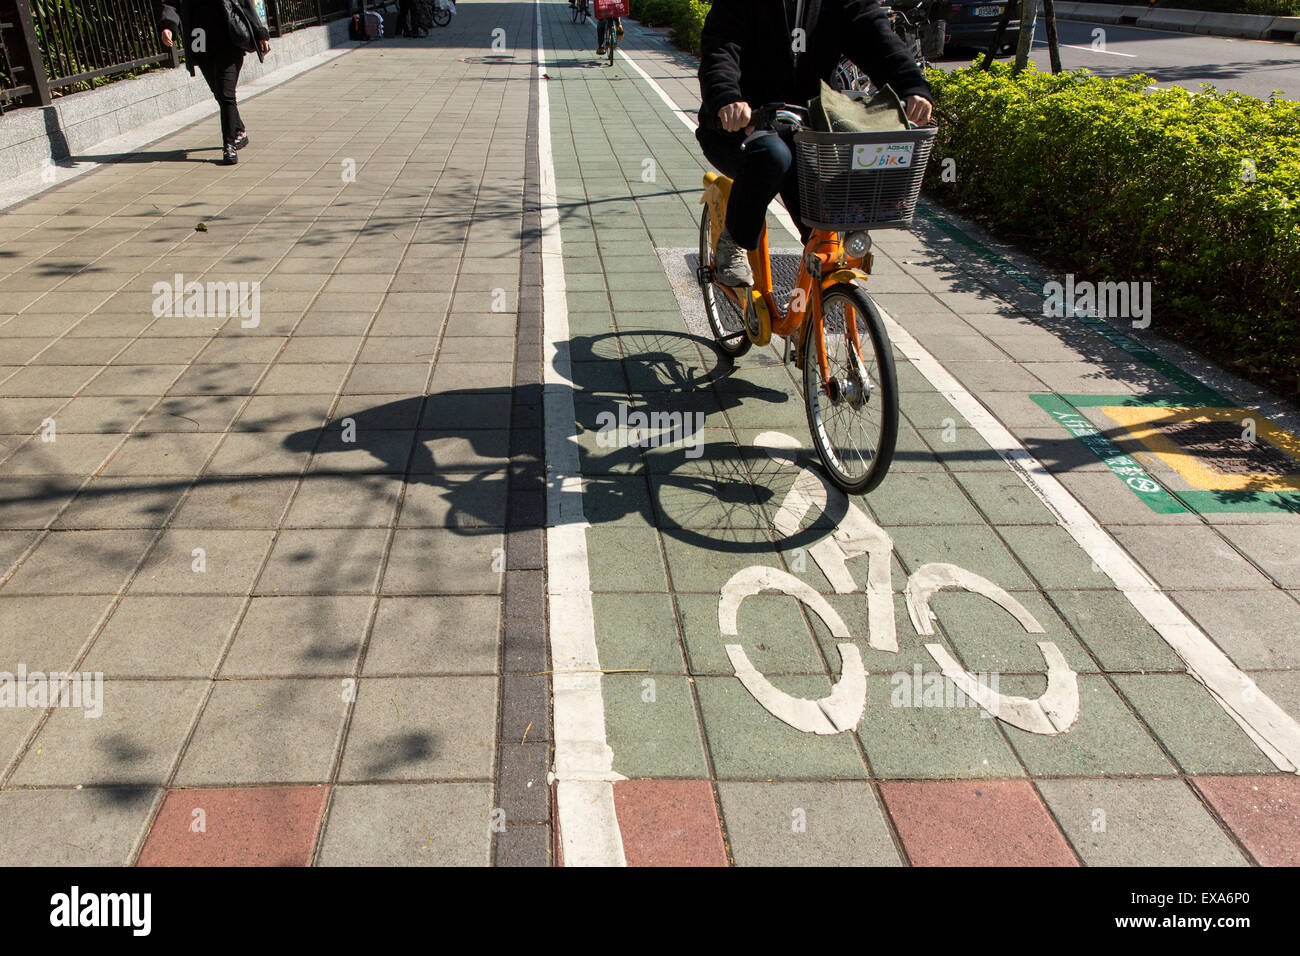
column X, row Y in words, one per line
column 731, row 263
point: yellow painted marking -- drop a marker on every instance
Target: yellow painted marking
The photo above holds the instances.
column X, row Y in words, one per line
column 1144, row 423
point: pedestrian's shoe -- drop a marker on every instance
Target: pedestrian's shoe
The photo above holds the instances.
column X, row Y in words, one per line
column 241, row 139
column 600, row 50
column 731, row 263
column 228, row 155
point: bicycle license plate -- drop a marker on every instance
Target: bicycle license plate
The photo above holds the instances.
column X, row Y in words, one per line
column 988, row 11
column 882, row 156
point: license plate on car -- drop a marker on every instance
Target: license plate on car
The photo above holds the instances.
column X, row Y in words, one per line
column 988, row 11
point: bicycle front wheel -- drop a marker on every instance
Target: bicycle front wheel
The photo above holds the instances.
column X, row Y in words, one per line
column 725, row 318
column 441, row 16
column 853, row 408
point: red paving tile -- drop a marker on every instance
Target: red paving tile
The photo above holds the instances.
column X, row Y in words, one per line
column 975, row 823
column 1263, row 812
column 249, row 826
column 669, row 823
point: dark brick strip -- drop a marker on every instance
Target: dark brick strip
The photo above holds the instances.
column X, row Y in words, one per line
column 524, row 744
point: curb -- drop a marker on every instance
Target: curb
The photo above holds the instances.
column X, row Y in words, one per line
column 1203, row 22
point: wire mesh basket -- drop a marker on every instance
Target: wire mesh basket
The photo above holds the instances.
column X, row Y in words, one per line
column 861, row 180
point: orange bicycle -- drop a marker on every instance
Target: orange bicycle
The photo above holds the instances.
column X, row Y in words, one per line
column 849, row 183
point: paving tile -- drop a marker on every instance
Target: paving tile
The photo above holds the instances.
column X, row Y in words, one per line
column 95, row 827
column 746, row 742
column 420, row 824
column 434, row 635
column 915, row 727
column 1138, row 823
column 669, row 823
column 651, row 726
column 81, row 562
column 1114, row 632
column 122, row 503
column 1262, row 812
column 806, row 824
column 415, row 728
column 972, row 547
column 1188, row 558
column 69, row 454
column 1191, row 725
column 987, row 639
column 134, row 740
column 234, row 503
column 436, row 561
column 981, row 823
column 265, row 731
column 299, row 637
column 1247, row 625
column 638, row 631
column 320, row 561
column 162, row 454
column 164, row 637
column 1106, row 739
column 202, row 561
column 262, row 826
column 351, row 501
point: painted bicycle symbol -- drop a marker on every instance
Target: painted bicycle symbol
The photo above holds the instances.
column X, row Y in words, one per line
column 855, row 535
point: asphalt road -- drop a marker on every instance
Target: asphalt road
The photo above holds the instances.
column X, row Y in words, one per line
column 1170, row 59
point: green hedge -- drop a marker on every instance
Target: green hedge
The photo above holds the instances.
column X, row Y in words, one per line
column 1198, row 193
column 1268, row 8
column 686, row 17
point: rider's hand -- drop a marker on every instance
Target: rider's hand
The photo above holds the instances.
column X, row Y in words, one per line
column 264, row 46
column 918, row 109
column 167, row 37
column 735, row 116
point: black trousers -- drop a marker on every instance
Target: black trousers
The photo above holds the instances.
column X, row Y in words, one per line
column 405, row 19
column 762, row 171
column 221, row 69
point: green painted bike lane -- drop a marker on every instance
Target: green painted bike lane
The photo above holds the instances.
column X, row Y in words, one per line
column 1149, row 767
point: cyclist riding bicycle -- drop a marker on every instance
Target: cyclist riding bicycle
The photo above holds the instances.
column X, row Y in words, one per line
column 756, row 52
column 602, row 32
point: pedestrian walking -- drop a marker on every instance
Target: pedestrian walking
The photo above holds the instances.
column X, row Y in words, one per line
column 215, row 35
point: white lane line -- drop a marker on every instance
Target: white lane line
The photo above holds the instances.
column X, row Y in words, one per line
column 1273, row 730
column 584, row 763
column 1088, row 49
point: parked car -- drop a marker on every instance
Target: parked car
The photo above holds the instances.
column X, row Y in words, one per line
column 972, row 23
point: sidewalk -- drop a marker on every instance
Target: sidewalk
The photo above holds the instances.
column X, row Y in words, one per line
column 283, row 538
column 360, row 596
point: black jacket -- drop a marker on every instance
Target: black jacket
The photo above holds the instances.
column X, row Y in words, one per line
column 747, row 56
column 183, row 17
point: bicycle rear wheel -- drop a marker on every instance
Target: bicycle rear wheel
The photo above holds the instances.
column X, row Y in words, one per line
column 853, row 413
column 441, row 16
column 725, row 317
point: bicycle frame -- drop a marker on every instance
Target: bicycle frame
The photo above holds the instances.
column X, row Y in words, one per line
column 823, row 264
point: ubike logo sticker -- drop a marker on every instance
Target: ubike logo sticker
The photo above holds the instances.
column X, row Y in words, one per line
column 882, row 155
column 856, row 535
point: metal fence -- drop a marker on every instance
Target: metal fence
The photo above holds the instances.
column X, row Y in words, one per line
column 53, row 47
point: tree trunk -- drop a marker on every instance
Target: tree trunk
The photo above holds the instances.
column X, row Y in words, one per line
column 1053, row 43
column 1027, row 24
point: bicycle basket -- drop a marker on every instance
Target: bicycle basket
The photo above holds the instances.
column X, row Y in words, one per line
column 608, row 9
column 861, row 180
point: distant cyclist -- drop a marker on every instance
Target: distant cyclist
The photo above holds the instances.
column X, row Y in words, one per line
column 602, row 32
column 756, row 52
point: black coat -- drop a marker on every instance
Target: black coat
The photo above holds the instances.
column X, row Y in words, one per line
column 747, row 56
column 183, row 17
